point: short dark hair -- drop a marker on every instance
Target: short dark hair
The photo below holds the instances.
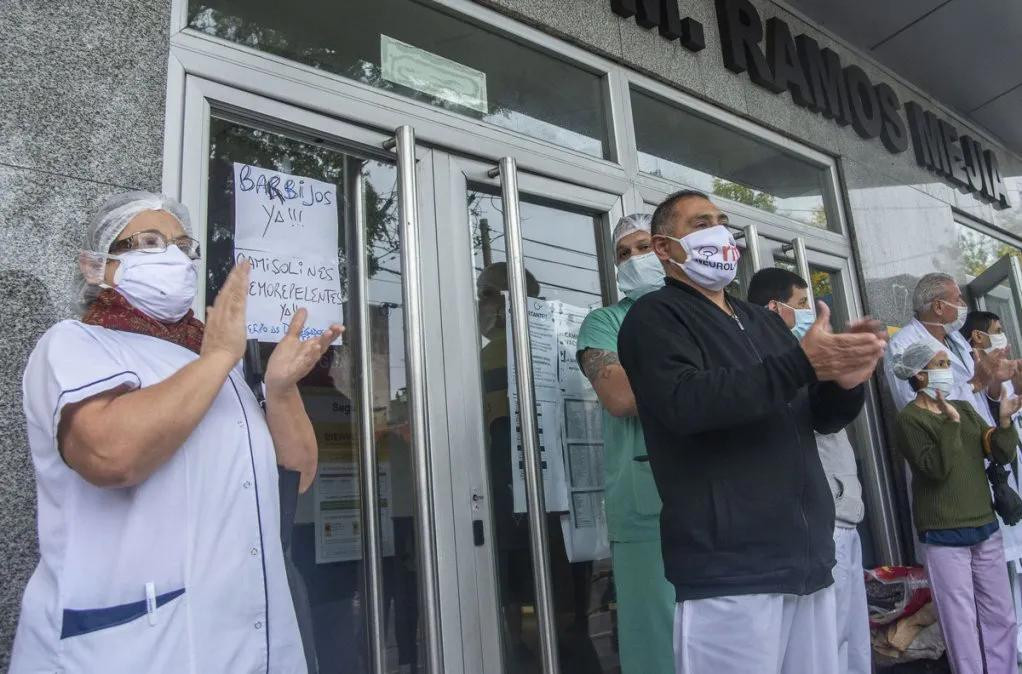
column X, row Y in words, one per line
column 774, row 284
column 662, row 214
column 978, row 320
column 914, row 382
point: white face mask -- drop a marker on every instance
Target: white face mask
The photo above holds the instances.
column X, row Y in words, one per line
column 712, row 257
column 957, row 323
column 640, row 274
column 997, row 341
column 161, row 285
column 939, row 380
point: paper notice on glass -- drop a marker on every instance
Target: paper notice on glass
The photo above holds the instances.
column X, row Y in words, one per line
column 432, row 74
column 567, row 323
column 543, row 343
column 286, row 226
column 584, row 528
column 551, row 455
column 338, row 520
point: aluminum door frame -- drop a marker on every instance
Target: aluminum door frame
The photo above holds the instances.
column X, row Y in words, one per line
column 187, row 169
column 479, row 592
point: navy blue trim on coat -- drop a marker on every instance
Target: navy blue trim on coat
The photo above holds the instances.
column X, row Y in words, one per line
column 93, row 383
column 82, row 621
column 259, row 520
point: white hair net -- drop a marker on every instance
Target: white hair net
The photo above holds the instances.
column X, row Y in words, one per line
column 913, row 359
column 108, row 222
column 636, row 222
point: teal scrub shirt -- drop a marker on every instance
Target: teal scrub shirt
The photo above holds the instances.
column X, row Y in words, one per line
column 632, row 501
column 645, row 600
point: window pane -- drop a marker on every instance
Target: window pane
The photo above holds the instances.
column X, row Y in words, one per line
column 321, row 528
column 560, row 258
column 678, row 145
column 426, row 54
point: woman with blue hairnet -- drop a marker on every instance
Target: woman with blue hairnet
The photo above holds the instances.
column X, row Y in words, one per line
column 156, row 469
column 645, row 600
column 946, row 443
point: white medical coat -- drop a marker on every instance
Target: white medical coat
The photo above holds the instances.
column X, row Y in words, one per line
column 203, row 529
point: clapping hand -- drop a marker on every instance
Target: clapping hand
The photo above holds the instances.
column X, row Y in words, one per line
column 947, row 409
column 992, row 368
column 1008, row 408
column 225, row 334
column 293, row 358
column 847, row 359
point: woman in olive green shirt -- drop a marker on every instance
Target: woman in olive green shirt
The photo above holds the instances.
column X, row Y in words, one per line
column 946, row 443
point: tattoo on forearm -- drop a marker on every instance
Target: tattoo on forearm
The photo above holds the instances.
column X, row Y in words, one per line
column 596, row 363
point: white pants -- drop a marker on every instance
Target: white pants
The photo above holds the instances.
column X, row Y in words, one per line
column 757, row 634
column 853, row 649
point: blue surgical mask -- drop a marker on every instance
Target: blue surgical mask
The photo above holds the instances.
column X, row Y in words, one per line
column 640, row 274
column 804, row 319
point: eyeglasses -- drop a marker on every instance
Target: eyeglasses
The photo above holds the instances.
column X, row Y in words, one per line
column 151, row 241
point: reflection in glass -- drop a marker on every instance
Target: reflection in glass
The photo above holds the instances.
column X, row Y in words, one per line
column 560, row 259
column 321, row 528
column 701, row 154
column 425, row 54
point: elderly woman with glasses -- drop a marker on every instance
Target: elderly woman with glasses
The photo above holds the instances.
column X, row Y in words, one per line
column 156, row 468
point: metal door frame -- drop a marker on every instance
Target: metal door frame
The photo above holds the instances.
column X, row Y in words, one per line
column 480, row 601
column 1007, row 268
column 186, row 169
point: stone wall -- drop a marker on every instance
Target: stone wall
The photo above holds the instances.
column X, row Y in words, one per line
column 82, row 96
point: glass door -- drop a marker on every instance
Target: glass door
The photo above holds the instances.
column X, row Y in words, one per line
column 999, row 290
column 526, row 265
column 328, row 215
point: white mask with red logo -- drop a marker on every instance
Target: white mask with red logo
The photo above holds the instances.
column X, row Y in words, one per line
column 712, row 257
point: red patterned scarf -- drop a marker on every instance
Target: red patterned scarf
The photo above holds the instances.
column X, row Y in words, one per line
column 111, row 310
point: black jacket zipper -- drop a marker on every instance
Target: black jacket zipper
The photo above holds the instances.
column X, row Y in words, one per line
column 802, row 458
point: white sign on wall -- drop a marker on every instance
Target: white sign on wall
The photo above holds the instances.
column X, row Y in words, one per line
column 286, row 226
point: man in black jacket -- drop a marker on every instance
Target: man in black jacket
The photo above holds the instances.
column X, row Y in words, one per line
column 728, row 401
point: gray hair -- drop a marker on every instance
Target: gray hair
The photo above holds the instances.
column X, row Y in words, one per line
column 932, row 286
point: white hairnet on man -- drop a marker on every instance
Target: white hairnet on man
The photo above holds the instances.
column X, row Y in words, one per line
column 629, row 224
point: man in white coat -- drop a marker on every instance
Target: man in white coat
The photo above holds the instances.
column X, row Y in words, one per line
column 940, row 312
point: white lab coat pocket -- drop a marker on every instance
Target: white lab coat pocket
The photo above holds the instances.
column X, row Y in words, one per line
column 143, row 636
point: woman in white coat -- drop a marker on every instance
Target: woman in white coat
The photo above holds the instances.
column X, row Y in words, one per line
column 156, row 469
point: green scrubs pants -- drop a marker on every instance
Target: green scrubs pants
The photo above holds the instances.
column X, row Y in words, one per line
column 645, row 608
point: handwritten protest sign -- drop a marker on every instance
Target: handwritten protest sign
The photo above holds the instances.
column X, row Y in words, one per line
column 286, row 226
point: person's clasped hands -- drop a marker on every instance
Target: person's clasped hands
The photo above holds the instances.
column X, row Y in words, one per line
column 847, row 358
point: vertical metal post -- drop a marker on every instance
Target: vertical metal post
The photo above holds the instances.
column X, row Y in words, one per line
column 508, row 172
column 798, row 247
column 751, row 235
column 368, row 471
column 415, row 370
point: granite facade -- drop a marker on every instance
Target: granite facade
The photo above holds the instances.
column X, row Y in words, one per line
column 82, row 113
column 81, row 116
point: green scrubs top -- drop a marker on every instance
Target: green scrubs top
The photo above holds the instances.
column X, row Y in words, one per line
column 631, row 499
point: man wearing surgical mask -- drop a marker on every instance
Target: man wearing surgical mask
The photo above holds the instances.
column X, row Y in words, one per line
column 939, row 313
column 156, row 469
column 728, row 400
column 787, row 295
column 645, row 600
